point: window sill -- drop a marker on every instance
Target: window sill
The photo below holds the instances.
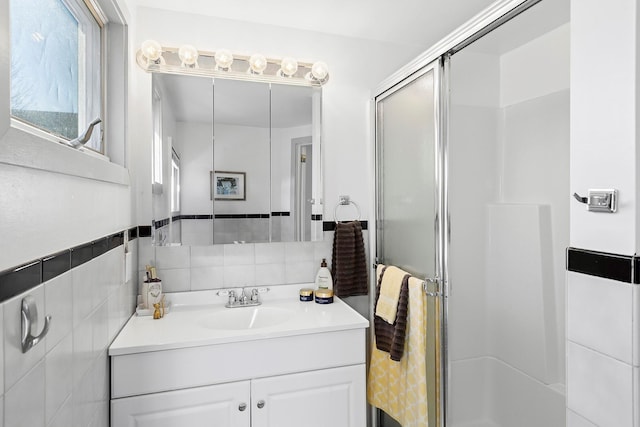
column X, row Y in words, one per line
column 21, row 148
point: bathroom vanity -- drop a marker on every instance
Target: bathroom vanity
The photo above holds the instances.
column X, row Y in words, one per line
column 283, row 363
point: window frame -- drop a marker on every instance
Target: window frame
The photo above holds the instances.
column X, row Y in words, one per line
column 83, row 11
column 26, row 146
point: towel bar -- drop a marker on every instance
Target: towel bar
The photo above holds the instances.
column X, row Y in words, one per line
column 425, row 284
column 344, row 201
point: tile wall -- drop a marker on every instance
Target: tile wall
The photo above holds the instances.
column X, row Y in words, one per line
column 191, row 268
column 64, row 380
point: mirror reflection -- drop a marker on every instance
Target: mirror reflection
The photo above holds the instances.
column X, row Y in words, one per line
column 234, row 161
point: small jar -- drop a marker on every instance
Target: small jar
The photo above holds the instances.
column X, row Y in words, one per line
column 324, row 296
column 306, row 294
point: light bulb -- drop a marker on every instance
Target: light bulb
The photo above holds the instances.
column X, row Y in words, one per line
column 257, row 63
column 151, row 50
column 223, row 58
column 289, row 66
column 319, row 70
column 188, row 54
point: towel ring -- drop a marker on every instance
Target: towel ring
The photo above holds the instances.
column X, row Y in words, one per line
column 344, row 201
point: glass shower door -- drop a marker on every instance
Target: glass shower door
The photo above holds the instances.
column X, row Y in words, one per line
column 408, row 198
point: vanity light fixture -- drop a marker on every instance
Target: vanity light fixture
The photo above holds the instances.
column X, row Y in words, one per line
column 288, row 66
column 257, row 63
column 153, row 57
column 152, row 51
column 188, row 55
column 224, row 59
column 319, row 71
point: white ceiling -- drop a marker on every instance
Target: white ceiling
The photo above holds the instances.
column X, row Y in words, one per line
column 405, row 22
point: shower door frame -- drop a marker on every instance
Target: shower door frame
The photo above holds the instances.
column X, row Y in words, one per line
column 437, row 58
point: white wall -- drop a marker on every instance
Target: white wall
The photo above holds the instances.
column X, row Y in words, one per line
column 281, row 191
column 196, row 160
column 602, row 316
column 244, row 149
column 54, row 198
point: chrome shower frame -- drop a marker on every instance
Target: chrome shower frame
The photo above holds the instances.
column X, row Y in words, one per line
column 437, row 58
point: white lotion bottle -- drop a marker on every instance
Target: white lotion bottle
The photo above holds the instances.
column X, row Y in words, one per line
column 323, row 278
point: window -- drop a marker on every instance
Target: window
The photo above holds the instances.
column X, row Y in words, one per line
column 175, row 182
column 56, row 74
column 157, row 139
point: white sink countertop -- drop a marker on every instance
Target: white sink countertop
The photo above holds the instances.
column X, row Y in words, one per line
column 193, row 321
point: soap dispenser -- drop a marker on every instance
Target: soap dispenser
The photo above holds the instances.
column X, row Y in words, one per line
column 323, row 278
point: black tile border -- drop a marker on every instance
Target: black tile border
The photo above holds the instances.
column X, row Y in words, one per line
column 331, row 225
column 17, row 280
column 316, row 217
column 622, row 268
column 144, row 231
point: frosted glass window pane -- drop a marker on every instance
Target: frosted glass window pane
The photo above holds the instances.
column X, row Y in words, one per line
column 55, row 67
column 408, row 177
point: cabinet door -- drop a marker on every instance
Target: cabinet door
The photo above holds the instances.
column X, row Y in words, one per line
column 219, row 406
column 324, row 398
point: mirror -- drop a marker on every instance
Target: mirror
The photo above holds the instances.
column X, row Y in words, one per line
column 235, row 161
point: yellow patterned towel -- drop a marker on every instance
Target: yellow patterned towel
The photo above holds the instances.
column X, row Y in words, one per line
column 387, row 305
column 400, row 388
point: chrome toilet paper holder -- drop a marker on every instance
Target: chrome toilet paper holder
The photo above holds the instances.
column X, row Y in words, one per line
column 29, row 318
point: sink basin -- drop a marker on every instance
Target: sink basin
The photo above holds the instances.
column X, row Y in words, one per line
column 246, row 318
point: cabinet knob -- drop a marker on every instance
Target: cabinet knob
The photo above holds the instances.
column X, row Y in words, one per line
column 260, row 404
column 242, row 406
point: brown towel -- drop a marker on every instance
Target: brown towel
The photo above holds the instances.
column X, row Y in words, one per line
column 348, row 262
column 390, row 338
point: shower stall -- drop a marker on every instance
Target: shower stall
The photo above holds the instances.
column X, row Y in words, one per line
column 493, row 201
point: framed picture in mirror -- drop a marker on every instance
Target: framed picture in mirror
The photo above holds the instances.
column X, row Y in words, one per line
column 227, row 185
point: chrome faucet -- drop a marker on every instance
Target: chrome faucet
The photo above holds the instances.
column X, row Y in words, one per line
column 244, row 299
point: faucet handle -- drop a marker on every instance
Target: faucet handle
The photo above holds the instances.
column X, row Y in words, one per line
column 255, row 291
column 230, row 293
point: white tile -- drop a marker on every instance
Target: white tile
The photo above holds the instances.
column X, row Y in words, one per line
column 59, row 376
column 82, row 280
column 636, row 327
column 575, row 420
column 599, row 315
column 299, row 251
column 300, row 272
column 239, row 254
column 100, row 378
column 239, row 276
column 82, row 350
column 207, row 278
column 207, row 256
column 100, row 324
column 599, row 387
column 270, row 274
column 1, row 411
column 269, row 253
column 146, row 253
column 83, row 405
column 322, row 250
column 175, row 280
column 59, row 305
column 24, row 402
column 173, row 257
column 16, row 363
column 64, row 416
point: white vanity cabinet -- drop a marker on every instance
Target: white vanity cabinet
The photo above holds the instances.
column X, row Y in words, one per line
column 179, row 371
column 224, row 405
column 331, row 397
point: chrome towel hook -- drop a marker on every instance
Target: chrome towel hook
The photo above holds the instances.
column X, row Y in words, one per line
column 29, row 318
